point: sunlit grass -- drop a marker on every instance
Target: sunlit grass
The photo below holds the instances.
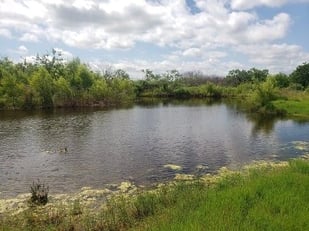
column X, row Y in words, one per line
column 294, row 103
column 275, row 199
column 294, row 107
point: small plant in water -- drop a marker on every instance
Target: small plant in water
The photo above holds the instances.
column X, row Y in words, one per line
column 39, row 193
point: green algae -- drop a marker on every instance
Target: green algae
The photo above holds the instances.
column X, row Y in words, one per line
column 201, row 167
column 173, row 167
column 87, row 196
column 301, row 145
column 184, row 177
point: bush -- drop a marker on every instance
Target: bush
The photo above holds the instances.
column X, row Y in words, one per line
column 261, row 99
column 39, row 193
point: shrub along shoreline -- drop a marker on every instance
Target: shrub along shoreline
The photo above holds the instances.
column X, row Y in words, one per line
column 52, row 82
column 261, row 196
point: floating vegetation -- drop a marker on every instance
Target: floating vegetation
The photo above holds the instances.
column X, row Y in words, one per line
column 306, row 156
column 126, row 187
column 301, row 145
column 266, row 165
column 173, row 167
column 39, row 193
column 63, row 150
column 184, row 177
column 87, row 197
column 274, row 155
column 201, row 167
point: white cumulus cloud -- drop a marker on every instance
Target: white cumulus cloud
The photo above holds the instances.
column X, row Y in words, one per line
column 121, row 24
column 277, row 57
column 22, row 49
column 196, row 40
column 5, row 33
column 249, row 4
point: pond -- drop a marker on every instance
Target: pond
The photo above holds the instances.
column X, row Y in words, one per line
column 70, row 149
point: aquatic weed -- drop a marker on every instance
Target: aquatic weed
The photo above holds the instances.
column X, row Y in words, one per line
column 39, row 193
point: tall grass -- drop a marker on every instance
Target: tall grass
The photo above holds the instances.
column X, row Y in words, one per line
column 266, row 199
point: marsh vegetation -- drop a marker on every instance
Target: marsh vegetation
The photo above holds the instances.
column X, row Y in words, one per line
column 51, row 82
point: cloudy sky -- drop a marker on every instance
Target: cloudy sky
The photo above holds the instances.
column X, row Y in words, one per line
column 212, row 36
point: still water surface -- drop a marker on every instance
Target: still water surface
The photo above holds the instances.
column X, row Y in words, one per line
column 110, row 146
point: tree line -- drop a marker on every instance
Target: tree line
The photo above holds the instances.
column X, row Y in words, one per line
column 51, row 81
column 196, row 84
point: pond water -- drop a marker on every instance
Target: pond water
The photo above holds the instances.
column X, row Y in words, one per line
column 70, row 149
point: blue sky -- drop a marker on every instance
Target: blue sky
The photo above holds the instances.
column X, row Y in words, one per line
column 212, row 36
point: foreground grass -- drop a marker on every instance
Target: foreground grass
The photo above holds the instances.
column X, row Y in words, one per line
column 264, row 197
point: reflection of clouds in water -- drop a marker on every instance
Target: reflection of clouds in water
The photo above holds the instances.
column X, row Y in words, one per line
column 243, row 147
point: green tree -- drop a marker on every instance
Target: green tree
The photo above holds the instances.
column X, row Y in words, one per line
column 254, row 75
column 172, row 75
column 257, row 75
column 261, row 99
column 53, row 63
column 121, row 74
column 11, row 91
column 301, row 75
column 150, row 76
column 122, row 89
column 28, row 97
column 63, row 92
column 85, row 76
column 42, row 84
column 99, row 90
column 7, row 67
column 281, row 80
column 71, row 73
column 236, row 77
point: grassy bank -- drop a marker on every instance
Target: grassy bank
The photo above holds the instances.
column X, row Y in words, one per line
column 265, row 196
column 266, row 199
column 294, row 108
column 296, row 103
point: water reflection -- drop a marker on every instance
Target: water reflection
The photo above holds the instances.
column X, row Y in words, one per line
column 155, row 102
column 134, row 143
column 262, row 123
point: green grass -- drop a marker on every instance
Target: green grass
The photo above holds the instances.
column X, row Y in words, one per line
column 275, row 199
column 294, row 107
column 295, row 103
column 267, row 197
